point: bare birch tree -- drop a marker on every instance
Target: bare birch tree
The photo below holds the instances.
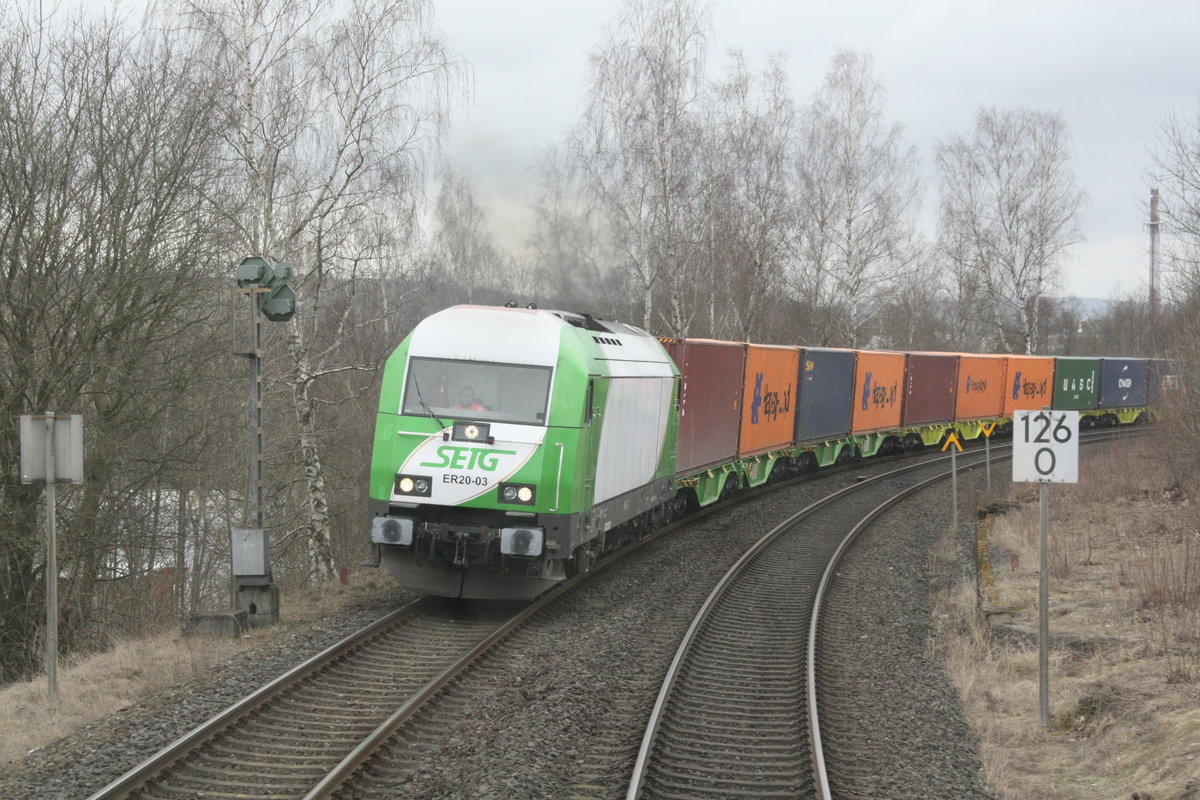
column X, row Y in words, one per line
column 330, row 111
column 749, row 198
column 859, row 194
column 1010, row 210
column 1175, row 172
column 566, row 243
column 637, row 142
column 464, row 251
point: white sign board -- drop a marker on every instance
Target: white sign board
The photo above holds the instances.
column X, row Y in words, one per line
column 68, row 448
column 1046, row 447
column 250, row 547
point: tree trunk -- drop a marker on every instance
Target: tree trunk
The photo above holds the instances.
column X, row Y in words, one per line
column 181, row 572
column 320, row 544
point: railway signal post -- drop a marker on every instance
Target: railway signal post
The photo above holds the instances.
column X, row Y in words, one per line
column 1045, row 451
column 255, row 591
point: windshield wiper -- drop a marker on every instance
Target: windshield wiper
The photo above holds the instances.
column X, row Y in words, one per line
column 424, row 405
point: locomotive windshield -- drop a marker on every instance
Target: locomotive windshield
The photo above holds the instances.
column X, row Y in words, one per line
column 438, row 387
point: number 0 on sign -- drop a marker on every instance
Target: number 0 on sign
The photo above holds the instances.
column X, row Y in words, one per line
column 1046, row 447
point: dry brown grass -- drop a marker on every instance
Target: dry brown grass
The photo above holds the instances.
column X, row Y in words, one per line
column 1125, row 574
column 104, row 683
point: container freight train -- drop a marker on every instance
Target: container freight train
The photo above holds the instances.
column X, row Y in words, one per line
column 513, row 447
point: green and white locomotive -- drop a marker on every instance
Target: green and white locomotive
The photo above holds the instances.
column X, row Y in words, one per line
column 514, row 446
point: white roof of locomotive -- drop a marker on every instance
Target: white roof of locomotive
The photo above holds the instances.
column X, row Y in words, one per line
column 529, row 336
column 489, row 333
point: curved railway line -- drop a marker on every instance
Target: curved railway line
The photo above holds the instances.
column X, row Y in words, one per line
column 739, row 710
column 328, row 726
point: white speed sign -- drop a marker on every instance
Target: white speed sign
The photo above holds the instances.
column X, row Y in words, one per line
column 1046, row 446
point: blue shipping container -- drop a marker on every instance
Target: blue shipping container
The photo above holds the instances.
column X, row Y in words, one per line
column 1124, row 382
column 825, row 401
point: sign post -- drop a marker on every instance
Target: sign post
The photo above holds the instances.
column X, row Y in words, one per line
column 955, row 447
column 51, row 453
column 987, row 453
column 1045, row 451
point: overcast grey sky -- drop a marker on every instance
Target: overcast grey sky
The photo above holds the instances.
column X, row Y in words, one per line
column 1112, row 69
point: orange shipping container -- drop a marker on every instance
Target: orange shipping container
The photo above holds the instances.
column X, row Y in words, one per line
column 878, row 391
column 768, row 398
column 1028, row 383
column 980, row 387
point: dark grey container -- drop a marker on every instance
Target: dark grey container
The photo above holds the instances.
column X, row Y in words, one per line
column 825, row 396
column 1124, row 382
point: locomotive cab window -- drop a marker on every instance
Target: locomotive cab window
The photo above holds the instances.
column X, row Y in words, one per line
column 437, row 387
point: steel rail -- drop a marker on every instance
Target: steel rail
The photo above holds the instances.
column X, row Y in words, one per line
column 143, row 773
column 814, row 724
column 642, row 763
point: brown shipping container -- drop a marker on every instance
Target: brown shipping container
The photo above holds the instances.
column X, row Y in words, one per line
column 768, row 398
column 980, row 387
column 929, row 396
column 1028, row 383
column 878, row 390
column 710, row 396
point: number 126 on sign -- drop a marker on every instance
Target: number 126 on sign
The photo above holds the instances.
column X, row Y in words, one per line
column 1046, row 447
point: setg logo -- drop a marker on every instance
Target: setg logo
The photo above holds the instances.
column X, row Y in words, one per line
column 462, row 471
column 454, row 457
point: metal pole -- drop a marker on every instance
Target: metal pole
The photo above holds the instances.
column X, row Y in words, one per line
column 51, row 565
column 1044, row 607
column 953, row 488
column 987, row 460
column 1154, row 224
column 254, row 495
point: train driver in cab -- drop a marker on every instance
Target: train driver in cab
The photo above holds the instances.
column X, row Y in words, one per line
column 467, row 401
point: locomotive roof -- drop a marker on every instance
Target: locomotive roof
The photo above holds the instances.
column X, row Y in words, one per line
column 529, row 336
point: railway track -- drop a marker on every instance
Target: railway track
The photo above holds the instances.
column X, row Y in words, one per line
column 738, row 713
column 280, row 740
column 334, row 725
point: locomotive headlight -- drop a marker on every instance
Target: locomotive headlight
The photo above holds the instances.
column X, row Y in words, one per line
column 417, row 485
column 517, row 493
